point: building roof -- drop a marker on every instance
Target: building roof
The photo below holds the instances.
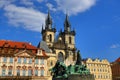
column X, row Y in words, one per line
column 44, row 46
column 14, row 44
column 118, row 60
column 18, row 46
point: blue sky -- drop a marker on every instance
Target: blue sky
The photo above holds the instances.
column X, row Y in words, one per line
column 97, row 23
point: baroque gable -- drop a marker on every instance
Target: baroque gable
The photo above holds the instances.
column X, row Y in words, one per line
column 24, row 53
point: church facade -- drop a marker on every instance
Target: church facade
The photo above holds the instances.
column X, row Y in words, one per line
column 62, row 48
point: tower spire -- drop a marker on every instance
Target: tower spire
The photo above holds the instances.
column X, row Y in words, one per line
column 67, row 25
column 48, row 22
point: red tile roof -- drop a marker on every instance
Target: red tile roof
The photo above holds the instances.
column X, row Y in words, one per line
column 13, row 44
column 20, row 45
column 118, row 60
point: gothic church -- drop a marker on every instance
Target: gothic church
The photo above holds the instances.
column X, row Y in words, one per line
column 61, row 48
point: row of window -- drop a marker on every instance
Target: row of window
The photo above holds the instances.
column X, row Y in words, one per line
column 102, row 76
column 100, row 70
column 30, row 72
column 24, row 60
column 30, row 61
column 99, row 65
column 10, row 59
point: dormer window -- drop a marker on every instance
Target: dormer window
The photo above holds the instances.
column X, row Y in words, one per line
column 38, row 52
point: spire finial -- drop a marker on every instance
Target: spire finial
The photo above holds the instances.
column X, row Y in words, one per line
column 48, row 12
column 48, row 23
column 67, row 24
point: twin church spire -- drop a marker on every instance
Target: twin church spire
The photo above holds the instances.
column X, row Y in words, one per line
column 48, row 24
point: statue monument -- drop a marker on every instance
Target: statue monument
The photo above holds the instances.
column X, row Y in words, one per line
column 72, row 72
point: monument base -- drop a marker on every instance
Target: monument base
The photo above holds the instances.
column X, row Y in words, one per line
column 77, row 77
column 80, row 77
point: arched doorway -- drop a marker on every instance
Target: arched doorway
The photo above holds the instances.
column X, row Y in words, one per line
column 60, row 57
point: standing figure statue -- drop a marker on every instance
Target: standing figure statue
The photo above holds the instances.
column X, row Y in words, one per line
column 79, row 58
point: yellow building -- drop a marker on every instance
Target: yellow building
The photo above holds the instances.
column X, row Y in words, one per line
column 22, row 59
column 100, row 68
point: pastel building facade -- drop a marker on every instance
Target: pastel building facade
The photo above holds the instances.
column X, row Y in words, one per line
column 100, row 68
column 22, row 59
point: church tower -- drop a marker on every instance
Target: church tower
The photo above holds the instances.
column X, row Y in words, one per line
column 67, row 38
column 62, row 46
column 48, row 34
column 69, row 35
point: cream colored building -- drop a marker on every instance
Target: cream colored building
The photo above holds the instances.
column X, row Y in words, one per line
column 100, row 68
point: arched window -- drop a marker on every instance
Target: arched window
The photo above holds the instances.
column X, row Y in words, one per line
column 60, row 57
column 70, row 40
column 50, row 38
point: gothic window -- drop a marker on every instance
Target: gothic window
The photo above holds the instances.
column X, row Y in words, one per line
column 70, row 40
column 51, row 63
column 60, row 57
column 50, row 38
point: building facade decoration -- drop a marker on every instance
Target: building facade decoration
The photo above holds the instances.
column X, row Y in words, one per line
column 100, row 68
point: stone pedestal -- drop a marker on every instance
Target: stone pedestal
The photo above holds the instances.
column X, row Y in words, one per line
column 77, row 77
column 80, row 77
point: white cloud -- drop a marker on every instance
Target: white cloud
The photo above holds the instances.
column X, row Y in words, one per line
column 74, row 7
column 50, row 6
column 27, row 2
column 3, row 3
column 25, row 17
column 115, row 46
column 31, row 19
